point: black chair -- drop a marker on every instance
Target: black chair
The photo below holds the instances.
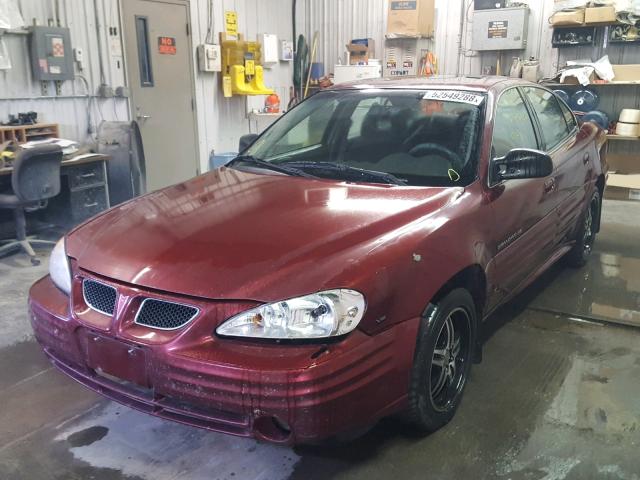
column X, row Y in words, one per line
column 34, row 180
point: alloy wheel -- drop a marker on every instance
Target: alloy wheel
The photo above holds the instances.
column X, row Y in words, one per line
column 450, row 356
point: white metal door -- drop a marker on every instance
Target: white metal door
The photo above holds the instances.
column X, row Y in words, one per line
column 160, row 71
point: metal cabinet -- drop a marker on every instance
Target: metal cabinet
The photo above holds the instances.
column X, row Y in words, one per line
column 88, row 190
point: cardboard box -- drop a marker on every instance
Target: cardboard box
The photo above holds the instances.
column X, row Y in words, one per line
column 623, row 187
column 622, row 163
column 626, row 73
column 411, row 18
column 574, row 17
column 600, row 15
column 361, row 50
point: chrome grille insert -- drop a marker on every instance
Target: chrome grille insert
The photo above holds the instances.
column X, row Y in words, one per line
column 164, row 315
column 99, row 297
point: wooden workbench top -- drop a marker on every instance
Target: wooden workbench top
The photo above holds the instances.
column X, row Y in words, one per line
column 70, row 161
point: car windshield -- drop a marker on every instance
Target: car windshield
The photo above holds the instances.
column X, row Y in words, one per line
column 421, row 138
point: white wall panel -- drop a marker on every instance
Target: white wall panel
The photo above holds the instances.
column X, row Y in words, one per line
column 223, row 120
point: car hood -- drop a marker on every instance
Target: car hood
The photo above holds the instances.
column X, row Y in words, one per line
column 231, row 234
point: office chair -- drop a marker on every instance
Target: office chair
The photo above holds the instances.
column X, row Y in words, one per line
column 35, row 179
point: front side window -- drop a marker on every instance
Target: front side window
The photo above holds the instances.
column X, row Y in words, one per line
column 308, row 133
column 512, row 127
column 420, row 138
column 550, row 115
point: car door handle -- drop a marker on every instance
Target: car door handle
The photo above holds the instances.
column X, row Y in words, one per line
column 549, row 185
column 586, row 158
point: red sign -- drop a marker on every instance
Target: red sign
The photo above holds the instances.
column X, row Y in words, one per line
column 167, row 45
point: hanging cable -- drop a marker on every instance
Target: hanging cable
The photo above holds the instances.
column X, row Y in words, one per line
column 210, row 22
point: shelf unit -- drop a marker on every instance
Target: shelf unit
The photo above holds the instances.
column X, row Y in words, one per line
column 584, row 30
column 622, row 138
column 26, row 133
column 573, row 36
column 605, row 84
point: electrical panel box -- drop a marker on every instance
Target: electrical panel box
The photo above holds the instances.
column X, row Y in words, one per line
column 209, row 58
column 270, row 49
column 286, row 51
column 51, row 54
column 402, row 56
column 501, row 29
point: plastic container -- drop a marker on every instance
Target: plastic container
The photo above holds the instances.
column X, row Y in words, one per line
column 627, row 129
column 221, row 159
column 629, row 115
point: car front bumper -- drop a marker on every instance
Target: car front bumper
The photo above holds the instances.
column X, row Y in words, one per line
column 281, row 393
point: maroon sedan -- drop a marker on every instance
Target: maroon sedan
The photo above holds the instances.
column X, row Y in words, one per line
column 337, row 271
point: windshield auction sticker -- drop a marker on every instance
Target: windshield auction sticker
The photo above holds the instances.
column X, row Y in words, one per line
column 454, row 96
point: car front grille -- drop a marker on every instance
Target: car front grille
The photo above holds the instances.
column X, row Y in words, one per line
column 164, row 315
column 99, row 297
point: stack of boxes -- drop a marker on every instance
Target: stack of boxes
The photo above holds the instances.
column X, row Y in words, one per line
column 409, row 24
column 576, row 13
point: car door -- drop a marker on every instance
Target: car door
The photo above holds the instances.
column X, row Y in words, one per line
column 523, row 224
column 571, row 158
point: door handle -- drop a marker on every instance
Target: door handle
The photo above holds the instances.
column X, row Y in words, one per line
column 549, row 185
column 141, row 116
column 586, row 158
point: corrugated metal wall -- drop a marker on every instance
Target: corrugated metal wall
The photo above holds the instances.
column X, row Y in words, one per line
column 339, row 21
column 71, row 109
column 223, row 120
column 220, row 121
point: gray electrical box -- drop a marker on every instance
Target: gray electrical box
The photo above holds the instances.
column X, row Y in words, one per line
column 500, row 29
column 51, row 53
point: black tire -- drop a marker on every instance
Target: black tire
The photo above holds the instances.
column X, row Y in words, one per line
column 431, row 407
column 586, row 233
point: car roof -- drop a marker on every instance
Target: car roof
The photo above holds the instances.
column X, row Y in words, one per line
column 486, row 83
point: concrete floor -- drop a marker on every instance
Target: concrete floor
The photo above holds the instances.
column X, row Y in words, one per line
column 556, row 397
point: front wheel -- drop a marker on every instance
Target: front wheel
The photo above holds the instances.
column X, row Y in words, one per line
column 586, row 237
column 442, row 362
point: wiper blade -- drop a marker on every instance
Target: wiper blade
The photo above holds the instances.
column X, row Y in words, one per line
column 383, row 177
column 251, row 160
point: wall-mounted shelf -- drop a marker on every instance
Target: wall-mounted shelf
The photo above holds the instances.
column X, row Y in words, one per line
column 26, row 133
column 622, row 138
column 14, row 31
column 606, row 84
column 573, row 37
column 617, row 35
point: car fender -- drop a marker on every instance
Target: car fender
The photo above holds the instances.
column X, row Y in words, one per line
column 409, row 272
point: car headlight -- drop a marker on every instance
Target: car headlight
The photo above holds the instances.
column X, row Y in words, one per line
column 324, row 314
column 59, row 267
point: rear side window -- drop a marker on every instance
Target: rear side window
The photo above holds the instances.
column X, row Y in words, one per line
column 512, row 126
column 572, row 123
column 552, row 119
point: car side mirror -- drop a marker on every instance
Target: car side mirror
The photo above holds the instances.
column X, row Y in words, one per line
column 523, row 163
column 246, row 141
